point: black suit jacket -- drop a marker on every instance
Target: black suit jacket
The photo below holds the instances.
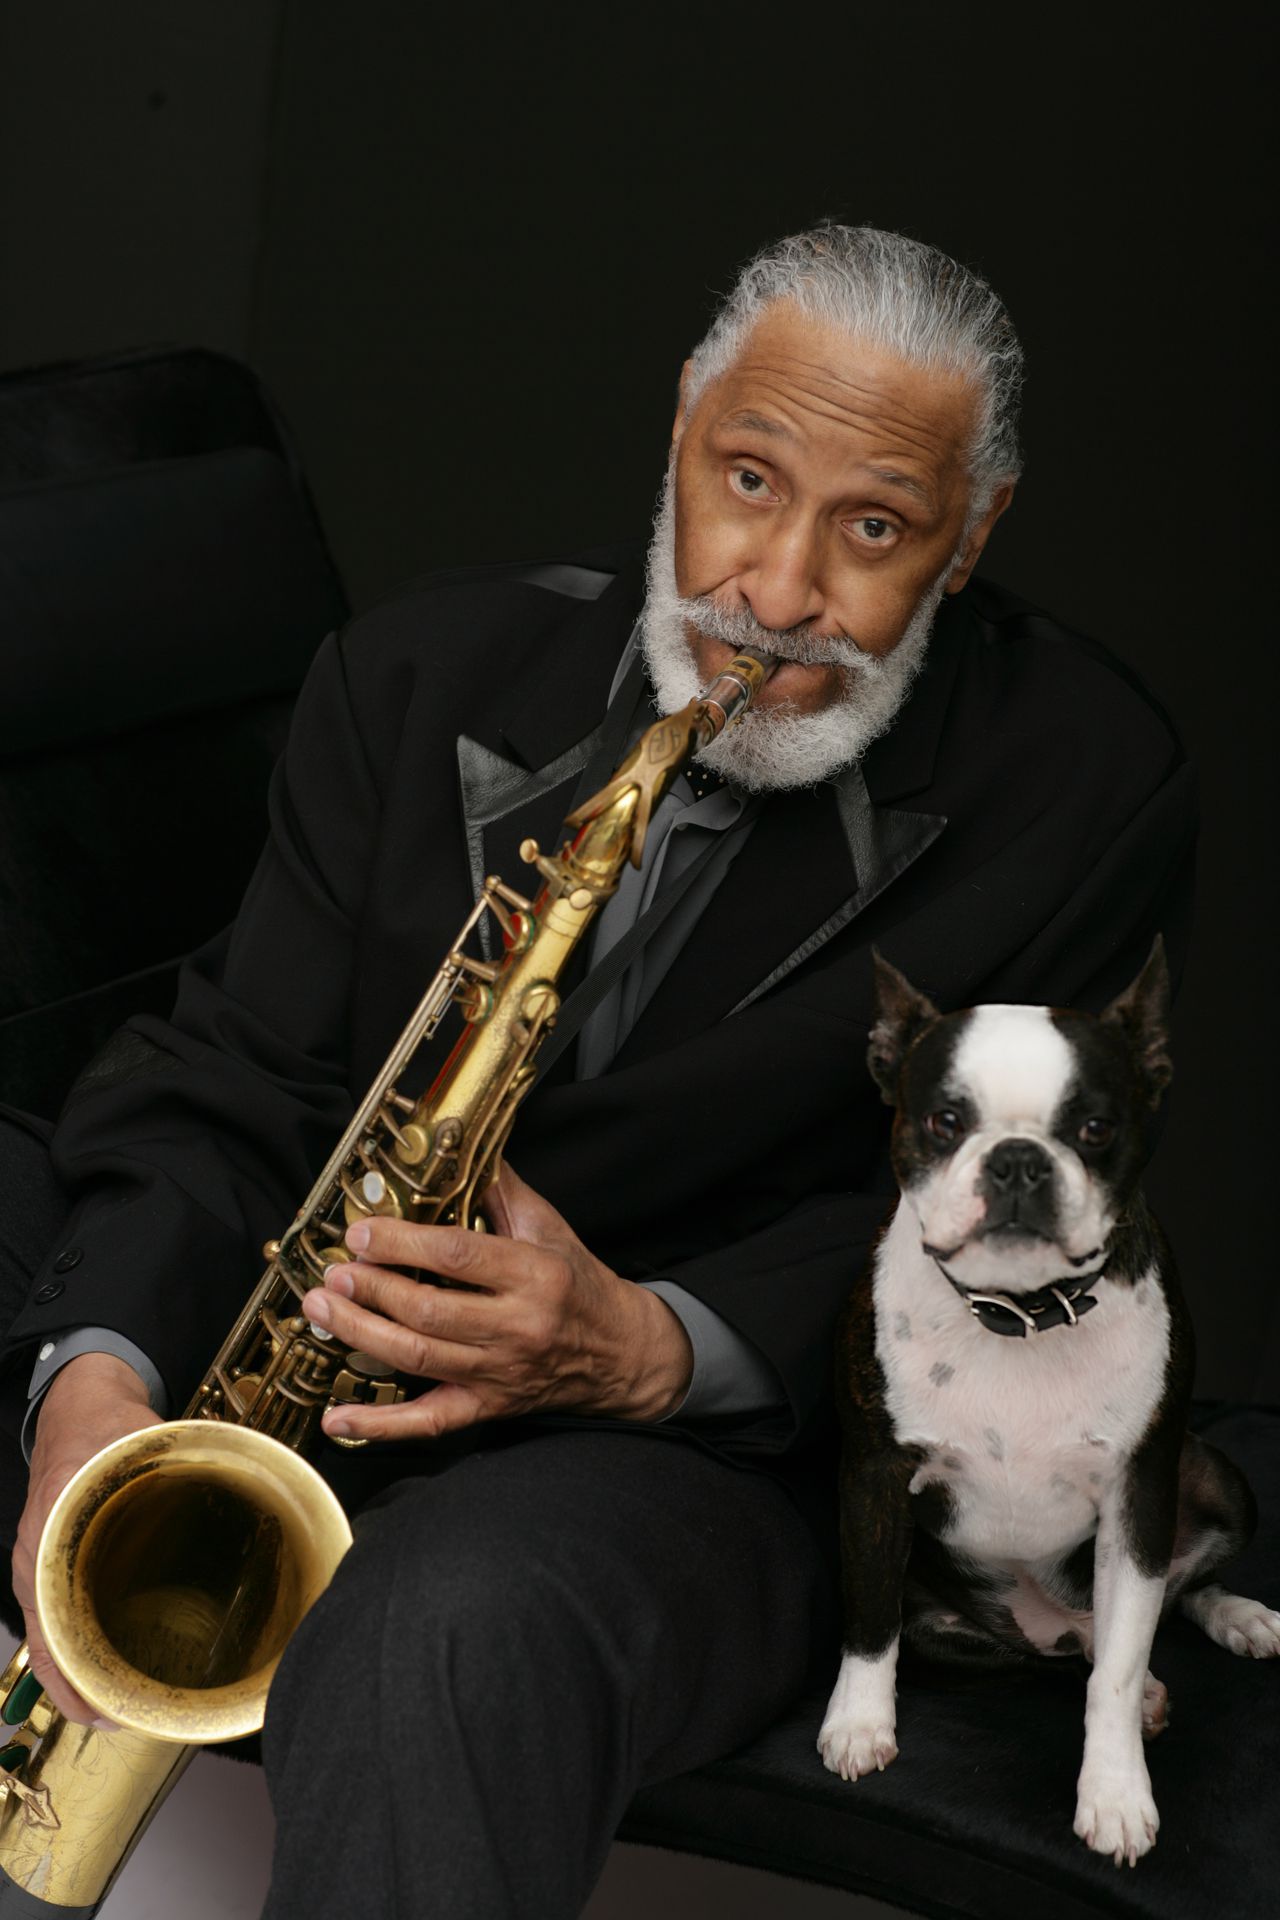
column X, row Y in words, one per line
column 1020, row 834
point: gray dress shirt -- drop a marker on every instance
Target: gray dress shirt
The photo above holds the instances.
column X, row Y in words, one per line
column 730, row 1374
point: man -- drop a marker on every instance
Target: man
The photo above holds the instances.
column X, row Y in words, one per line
column 595, row 1554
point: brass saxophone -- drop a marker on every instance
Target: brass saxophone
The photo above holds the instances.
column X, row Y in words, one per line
column 177, row 1563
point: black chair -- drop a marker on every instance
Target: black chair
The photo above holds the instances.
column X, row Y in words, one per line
column 164, row 583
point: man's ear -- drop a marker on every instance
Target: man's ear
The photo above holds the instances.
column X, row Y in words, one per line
column 901, row 1013
column 977, row 539
column 682, row 405
column 1142, row 1014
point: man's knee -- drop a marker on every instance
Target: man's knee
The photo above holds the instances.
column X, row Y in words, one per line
column 443, row 1596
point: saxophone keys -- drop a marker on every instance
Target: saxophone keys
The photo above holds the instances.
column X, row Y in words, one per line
column 413, row 1144
column 362, row 1381
column 372, row 1193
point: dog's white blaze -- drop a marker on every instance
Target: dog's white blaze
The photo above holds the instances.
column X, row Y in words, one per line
column 1015, row 1063
column 1028, row 1434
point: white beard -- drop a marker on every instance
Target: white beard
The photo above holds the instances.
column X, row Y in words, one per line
column 779, row 746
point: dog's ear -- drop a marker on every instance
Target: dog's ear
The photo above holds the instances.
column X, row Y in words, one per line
column 1142, row 1014
column 900, row 1014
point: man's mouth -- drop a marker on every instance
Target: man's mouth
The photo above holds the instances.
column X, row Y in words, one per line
column 789, row 677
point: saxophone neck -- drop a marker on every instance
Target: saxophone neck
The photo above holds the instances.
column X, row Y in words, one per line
column 612, row 826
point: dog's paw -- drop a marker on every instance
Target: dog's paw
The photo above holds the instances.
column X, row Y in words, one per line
column 857, row 1731
column 1242, row 1626
column 1116, row 1814
column 1157, row 1708
column 852, row 1747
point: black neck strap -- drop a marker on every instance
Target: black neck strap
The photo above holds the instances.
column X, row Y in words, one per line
column 1061, row 1304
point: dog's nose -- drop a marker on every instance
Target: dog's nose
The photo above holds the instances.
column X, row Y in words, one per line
column 1018, row 1165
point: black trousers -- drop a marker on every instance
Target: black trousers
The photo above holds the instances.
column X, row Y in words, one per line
column 535, row 1620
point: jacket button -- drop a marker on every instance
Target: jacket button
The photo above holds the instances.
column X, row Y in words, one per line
column 48, row 1292
column 65, row 1261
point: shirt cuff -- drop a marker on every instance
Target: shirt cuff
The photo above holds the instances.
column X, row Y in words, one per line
column 59, row 1348
column 730, row 1374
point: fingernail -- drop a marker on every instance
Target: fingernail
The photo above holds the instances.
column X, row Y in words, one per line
column 335, row 1423
column 358, row 1236
column 317, row 1308
column 101, row 1725
column 339, row 1280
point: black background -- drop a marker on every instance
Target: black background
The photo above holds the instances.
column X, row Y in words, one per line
column 469, row 252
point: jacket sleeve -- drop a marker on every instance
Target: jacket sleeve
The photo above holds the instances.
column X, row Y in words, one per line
column 188, row 1142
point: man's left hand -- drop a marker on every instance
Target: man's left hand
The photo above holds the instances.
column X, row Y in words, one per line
column 540, row 1323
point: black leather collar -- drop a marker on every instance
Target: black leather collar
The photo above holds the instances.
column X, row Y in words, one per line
column 1060, row 1304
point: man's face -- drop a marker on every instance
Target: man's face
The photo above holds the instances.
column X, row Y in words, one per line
column 822, row 485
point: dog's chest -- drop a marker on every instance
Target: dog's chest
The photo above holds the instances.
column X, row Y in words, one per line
column 1025, row 1435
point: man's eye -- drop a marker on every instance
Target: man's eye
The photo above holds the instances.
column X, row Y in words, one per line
column 754, row 485
column 871, row 527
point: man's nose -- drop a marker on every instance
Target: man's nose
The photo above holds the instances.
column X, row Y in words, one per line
column 782, row 584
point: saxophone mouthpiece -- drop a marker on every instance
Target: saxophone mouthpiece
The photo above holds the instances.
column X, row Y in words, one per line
column 735, row 687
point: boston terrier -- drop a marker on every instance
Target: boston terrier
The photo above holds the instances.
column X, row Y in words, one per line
column 1014, row 1374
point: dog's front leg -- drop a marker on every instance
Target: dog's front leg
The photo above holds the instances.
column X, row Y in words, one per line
column 858, row 1733
column 1115, row 1811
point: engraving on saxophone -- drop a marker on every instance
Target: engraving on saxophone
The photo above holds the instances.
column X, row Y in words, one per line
column 176, row 1564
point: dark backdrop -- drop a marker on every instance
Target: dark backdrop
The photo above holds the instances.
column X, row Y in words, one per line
column 469, row 253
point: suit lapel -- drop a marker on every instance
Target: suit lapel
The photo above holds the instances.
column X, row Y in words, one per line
column 550, row 727
column 816, row 859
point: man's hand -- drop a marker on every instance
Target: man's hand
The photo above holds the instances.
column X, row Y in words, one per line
column 541, row 1323
column 93, row 1400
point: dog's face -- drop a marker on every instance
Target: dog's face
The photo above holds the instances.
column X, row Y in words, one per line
column 1020, row 1132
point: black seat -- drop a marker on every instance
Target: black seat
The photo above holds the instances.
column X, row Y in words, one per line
column 163, row 585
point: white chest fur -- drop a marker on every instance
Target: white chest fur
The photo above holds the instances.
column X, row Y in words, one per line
column 1027, row 1434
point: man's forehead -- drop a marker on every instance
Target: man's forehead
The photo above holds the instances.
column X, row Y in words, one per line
column 796, row 379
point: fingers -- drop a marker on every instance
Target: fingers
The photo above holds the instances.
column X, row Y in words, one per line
column 514, row 1209
column 60, row 1691
column 396, row 1332
column 455, row 1253
column 443, row 1410
column 467, row 1318
column 63, row 1695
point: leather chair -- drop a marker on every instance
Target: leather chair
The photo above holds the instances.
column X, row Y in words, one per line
column 164, row 583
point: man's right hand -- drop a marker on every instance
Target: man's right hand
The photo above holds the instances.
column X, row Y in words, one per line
column 92, row 1401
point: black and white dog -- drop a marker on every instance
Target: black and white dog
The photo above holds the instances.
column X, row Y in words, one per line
column 1015, row 1370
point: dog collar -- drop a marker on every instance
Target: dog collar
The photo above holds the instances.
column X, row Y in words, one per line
column 1060, row 1304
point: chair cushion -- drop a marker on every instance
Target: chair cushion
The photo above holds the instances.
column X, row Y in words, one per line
column 974, row 1816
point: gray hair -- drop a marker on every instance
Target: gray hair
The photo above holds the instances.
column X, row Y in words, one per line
column 896, row 294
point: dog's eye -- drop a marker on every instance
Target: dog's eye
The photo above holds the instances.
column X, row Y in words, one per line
column 1096, row 1133
column 946, row 1124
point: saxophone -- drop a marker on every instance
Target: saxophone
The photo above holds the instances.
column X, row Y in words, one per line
column 176, row 1564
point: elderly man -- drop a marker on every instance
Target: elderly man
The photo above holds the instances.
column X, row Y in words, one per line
column 597, row 1552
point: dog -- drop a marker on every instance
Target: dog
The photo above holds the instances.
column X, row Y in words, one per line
column 1014, row 1373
